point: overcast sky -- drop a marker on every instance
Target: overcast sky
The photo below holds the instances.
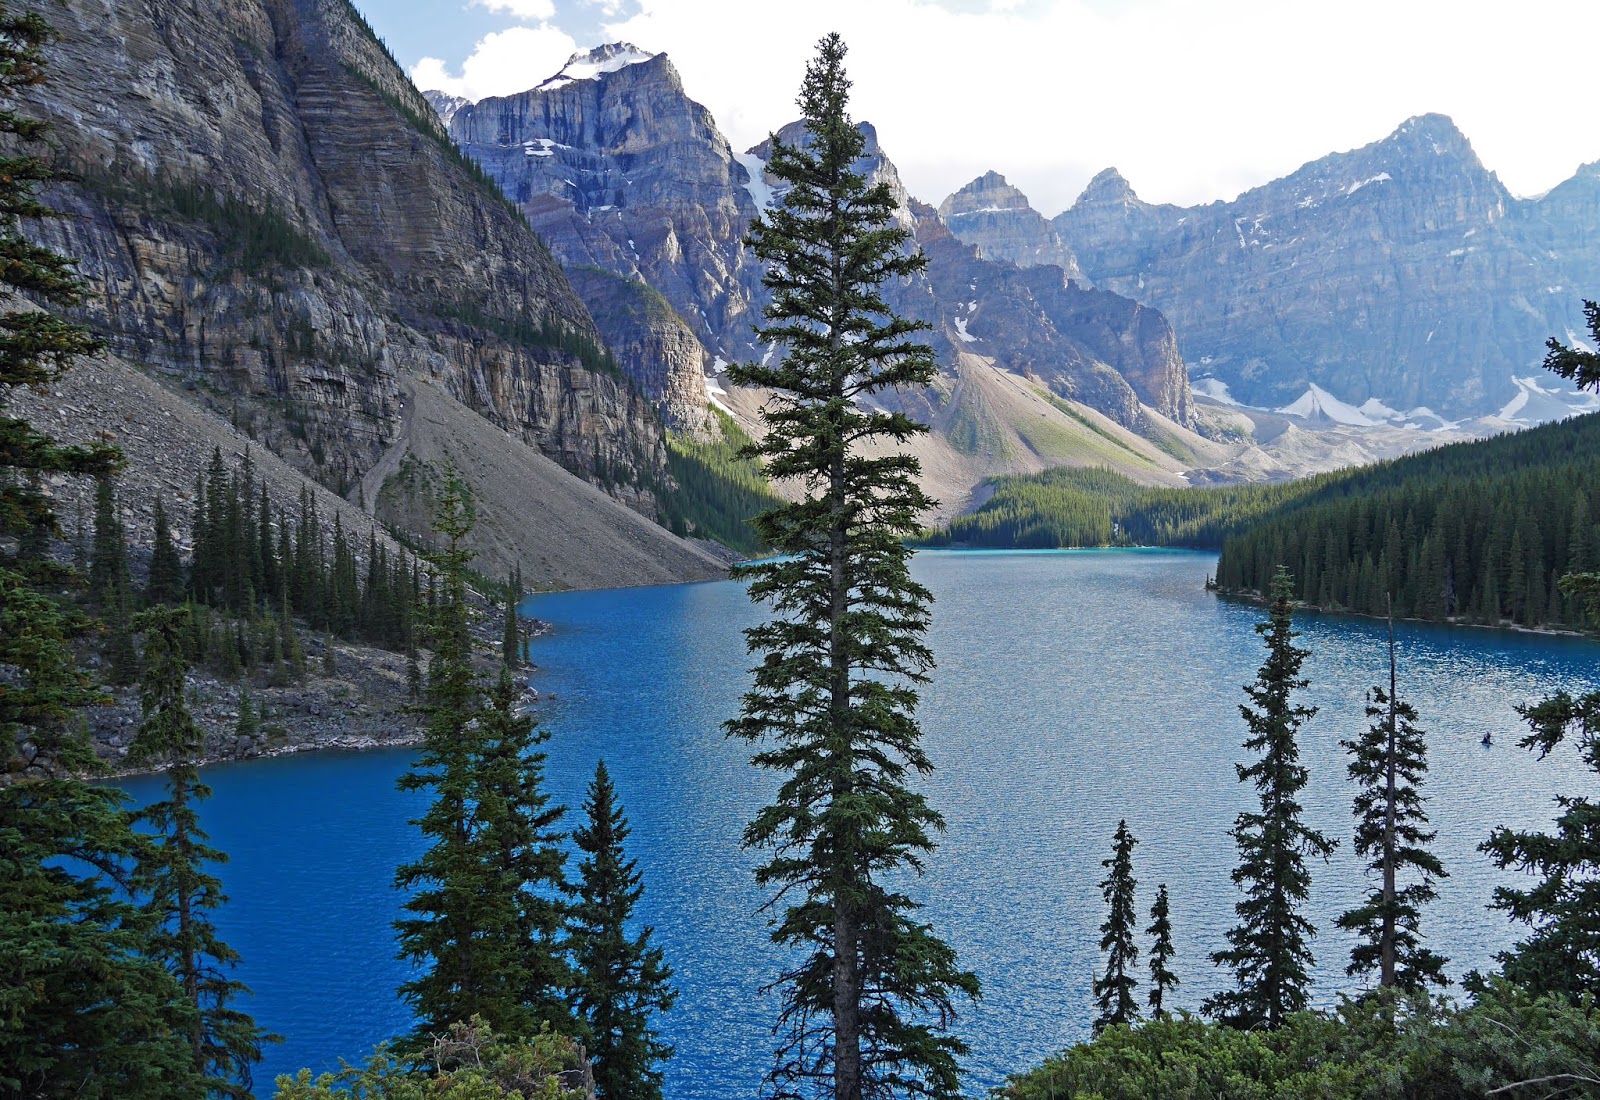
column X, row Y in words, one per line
column 1193, row 100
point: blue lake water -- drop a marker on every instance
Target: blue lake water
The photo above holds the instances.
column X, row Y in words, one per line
column 1074, row 688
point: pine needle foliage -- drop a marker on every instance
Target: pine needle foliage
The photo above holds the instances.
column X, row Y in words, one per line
column 1162, row 979
column 173, row 874
column 869, row 999
column 484, row 913
column 1269, row 949
column 84, row 1011
column 1562, row 909
column 1114, row 990
column 1388, row 763
column 623, row 980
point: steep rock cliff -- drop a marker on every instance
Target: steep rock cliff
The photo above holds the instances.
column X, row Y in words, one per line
column 268, row 209
column 619, row 170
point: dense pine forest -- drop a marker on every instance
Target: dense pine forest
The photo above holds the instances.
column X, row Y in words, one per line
column 1478, row 532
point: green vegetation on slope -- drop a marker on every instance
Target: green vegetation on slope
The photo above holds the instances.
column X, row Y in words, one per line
column 1479, row 531
column 1366, row 1050
column 720, row 488
column 255, row 239
column 1093, row 506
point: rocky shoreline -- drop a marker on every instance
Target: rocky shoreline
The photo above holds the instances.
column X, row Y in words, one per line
column 364, row 704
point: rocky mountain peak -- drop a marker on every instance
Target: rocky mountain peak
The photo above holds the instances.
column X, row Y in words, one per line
column 1432, row 134
column 990, row 192
column 996, row 218
column 444, row 104
column 598, row 62
column 873, row 163
column 1108, row 188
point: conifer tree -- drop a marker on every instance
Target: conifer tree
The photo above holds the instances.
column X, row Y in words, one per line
column 451, row 882
column 622, row 980
column 1269, row 951
column 165, row 584
column 519, row 825
column 511, row 636
column 84, row 1013
column 248, row 723
column 485, row 912
column 1388, row 763
column 1162, row 979
column 1114, row 991
column 1562, row 909
column 121, row 650
column 108, row 556
column 173, row 874
column 868, row 1002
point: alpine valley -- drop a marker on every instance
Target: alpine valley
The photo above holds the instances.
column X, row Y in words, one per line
column 795, row 627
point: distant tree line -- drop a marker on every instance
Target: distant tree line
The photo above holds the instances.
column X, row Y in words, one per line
column 1482, row 533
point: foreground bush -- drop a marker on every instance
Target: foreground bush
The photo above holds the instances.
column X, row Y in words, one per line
column 471, row 1062
column 1506, row 1044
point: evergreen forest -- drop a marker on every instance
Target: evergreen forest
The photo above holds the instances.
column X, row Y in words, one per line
column 1479, row 531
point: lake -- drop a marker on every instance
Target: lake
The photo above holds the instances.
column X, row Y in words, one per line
column 1074, row 689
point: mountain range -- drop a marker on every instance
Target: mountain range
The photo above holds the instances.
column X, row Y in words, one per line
column 377, row 283
column 1303, row 335
column 1402, row 278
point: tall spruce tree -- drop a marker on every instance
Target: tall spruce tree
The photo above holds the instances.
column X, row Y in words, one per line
column 485, row 913
column 1270, row 952
column 1562, row 909
column 84, row 1012
column 1388, row 763
column 511, row 635
column 108, row 555
column 519, row 823
column 868, row 1002
column 1114, row 989
column 1162, row 979
column 623, row 981
column 451, row 883
column 180, row 892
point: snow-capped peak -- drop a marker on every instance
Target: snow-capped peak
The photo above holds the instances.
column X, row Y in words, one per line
column 586, row 65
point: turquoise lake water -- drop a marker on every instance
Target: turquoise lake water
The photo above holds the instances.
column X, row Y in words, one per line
column 1074, row 688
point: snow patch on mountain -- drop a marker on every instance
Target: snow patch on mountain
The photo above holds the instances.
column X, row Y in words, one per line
column 1537, row 402
column 599, row 61
column 1216, row 389
column 1377, row 410
column 760, row 191
column 1379, row 178
column 1318, row 404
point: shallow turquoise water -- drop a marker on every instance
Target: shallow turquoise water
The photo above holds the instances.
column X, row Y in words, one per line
column 1073, row 688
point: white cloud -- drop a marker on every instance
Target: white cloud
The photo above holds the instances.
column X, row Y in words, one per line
column 1192, row 102
column 502, row 63
column 531, row 10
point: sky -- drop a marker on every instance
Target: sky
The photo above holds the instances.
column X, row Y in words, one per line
column 1192, row 100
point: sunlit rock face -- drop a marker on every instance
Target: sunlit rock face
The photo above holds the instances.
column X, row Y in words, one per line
column 1402, row 273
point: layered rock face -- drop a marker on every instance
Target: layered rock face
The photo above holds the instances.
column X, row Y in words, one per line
column 1402, row 272
column 622, row 173
column 1093, row 346
column 1098, row 348
column 619, row 170
column 270, row 211
column 995, row 218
